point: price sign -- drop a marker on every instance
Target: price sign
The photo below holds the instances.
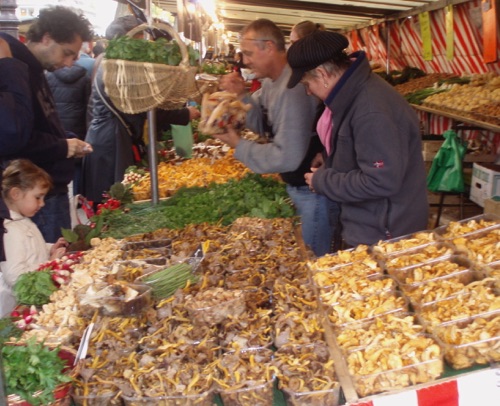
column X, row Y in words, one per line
column 425, row 32
column 449, row 33
column 489, row 13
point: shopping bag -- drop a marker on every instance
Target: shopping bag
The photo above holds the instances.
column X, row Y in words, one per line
column 446, row 174
column 183, row 140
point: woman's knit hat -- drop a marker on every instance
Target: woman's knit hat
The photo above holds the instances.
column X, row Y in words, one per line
column 311, row 51
column 121, row 25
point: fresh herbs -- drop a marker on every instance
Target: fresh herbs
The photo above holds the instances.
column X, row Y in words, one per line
column 252, row 196
column 9, row 330
column 141, row 50
column 214, row 68
column 33, row 367
column 34, row 288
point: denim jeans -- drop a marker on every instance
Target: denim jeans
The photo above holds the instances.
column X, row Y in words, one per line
column 53, row 216
column 318, row 215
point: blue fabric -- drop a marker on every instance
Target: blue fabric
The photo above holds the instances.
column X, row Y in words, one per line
column 53, row 216
column 319, row 217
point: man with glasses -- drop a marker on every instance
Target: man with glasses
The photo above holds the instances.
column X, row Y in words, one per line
column 30, row 126
column 286, row 118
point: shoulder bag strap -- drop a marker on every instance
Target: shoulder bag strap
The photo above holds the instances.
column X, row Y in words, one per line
column 107, row 104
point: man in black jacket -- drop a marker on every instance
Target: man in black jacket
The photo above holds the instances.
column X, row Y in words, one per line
column 34, row 131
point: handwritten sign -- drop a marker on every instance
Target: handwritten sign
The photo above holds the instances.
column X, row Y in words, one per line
column 425, row 32
column 450, row 44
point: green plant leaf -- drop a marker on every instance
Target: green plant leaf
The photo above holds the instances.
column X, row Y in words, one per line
column 69, row 235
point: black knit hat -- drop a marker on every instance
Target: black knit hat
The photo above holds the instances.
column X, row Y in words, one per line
column 311, row 51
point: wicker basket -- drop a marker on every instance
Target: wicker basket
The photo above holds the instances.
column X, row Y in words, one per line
column 135, row 87
column 62, row 392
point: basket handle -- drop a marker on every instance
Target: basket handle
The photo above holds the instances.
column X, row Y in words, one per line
column 182, row 45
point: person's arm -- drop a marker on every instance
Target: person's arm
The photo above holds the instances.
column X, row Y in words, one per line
column 18, row 137
column 17, row 262
column 16, row 113
column 381, row 159
column 179, row 117
column 292, row 126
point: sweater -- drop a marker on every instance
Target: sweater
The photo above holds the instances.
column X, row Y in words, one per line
column 285, row 116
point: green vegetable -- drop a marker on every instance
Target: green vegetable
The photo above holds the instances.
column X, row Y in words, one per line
column 164, row 283
column 214, row 68
column 455, row 80
column 252, row 196
column 34, row 288
column 8, row 330
column 31, row 368
column 419, row 96
column 141, row 50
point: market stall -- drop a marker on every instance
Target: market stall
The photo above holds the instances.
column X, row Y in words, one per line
column 228, row 306
column 262, row 320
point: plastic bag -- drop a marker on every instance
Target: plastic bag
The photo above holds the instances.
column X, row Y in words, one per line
column 446, row 174
column 183, row 140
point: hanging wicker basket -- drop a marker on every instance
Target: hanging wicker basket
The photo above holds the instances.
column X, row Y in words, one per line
column 135, row 87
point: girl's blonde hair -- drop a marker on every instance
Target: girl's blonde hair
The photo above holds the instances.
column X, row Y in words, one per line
column 25, row 175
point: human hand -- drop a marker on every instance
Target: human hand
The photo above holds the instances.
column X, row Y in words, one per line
column 78, row 148
column 317, row 161
column 233, row 82
column 58, row 249
column 194, row 113
column 231, row 138
column 61, row 242
column 309, row 179
column 5, row 51
column 57, row 253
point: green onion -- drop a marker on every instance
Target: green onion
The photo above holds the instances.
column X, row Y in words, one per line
column 164, row 283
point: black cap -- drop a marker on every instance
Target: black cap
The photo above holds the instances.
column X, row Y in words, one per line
column 311, row 51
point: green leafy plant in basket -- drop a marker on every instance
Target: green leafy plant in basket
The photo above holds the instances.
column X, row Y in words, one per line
column 141, row 50
column 80, row 236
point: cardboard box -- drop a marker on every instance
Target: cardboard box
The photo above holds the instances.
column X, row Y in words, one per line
column 492, row 205
column 485, row 182
column 431, row 146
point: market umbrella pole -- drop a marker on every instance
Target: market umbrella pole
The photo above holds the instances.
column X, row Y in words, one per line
column 153, row 168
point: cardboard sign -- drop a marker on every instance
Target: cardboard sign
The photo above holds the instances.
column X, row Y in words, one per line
column 489, row 12
column 450, row 46
column 425, row 32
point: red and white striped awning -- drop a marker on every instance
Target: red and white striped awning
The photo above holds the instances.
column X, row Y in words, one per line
column 405, row 42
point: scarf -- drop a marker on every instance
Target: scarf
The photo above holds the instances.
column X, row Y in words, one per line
column 324, row 128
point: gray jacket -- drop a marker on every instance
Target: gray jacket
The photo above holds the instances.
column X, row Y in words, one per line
column 376, row 170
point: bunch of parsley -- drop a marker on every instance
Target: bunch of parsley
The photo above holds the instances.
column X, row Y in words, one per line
column 34, row 288
column 32, row 368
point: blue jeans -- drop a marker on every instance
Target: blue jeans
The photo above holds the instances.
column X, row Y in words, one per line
column 318, row 215
column 53, row 216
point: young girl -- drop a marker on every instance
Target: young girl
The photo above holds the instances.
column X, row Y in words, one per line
column 24, row 186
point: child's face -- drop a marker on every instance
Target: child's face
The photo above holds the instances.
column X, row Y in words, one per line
column 28, row 202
